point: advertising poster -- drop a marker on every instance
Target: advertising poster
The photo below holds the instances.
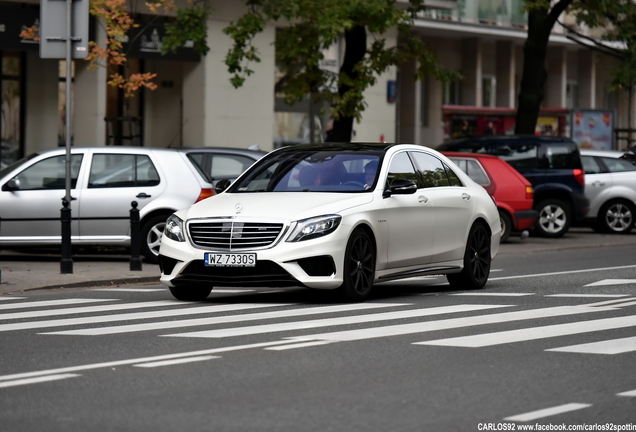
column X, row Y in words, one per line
column 593, row 129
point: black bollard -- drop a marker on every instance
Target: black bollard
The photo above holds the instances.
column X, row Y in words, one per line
column 135, row 244
column 66, row 263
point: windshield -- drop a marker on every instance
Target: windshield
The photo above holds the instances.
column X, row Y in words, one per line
column 312, row 171
column 15, row 164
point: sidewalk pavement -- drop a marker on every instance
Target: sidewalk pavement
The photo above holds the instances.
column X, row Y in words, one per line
column 22, row 272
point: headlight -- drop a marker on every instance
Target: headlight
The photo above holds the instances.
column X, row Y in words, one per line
column 314, row 227
column 174, row 229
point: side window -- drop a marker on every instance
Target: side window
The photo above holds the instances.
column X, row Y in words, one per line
column 401, row 168
column 227, row 166
column 431, row 171
column 453, row 177
column 122, row 170
column 474, row 170
column 618, row 165
column 590, row 165
column 519, row 156
column 559, row 157
column 49, row 173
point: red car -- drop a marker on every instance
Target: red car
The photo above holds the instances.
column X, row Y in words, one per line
column 513, row 193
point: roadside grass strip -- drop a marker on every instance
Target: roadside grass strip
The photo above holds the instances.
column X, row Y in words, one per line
column 37, row 380
column 547, row 412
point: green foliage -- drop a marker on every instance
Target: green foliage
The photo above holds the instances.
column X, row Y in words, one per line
column 190, row 25
column 306, row 27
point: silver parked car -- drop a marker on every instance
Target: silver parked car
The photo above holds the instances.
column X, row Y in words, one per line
column 610, row 185
column 105, row 181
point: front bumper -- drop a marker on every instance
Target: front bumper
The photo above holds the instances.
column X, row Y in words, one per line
column 316, row 263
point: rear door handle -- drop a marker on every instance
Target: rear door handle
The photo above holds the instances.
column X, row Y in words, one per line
column 143, row 195
column 465, row 196
column 598, row 183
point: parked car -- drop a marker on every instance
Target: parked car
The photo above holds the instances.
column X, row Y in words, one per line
column 105, row 180
column 334, row 216
column 610, row 184
column 552, row 164
column 220, row 163
column 512, row 192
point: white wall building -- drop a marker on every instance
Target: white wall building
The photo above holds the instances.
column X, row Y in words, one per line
column 195, row 104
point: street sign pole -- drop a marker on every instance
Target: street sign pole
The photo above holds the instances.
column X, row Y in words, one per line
column 66, row 263
column 69, row 18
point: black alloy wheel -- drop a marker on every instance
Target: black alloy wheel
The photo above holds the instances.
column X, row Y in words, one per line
column 477, row 260
column 359, row 267
column 191, row 293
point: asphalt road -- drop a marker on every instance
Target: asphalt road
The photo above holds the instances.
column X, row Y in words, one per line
column 550, row 341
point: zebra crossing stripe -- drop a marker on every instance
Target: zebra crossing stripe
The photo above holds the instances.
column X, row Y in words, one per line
column 428, row 326
column 614, row 346
column 175, row 361
column 547, row 412
column 587, row 295
column 87, row 309
column 631, row 393
column 49, row 303
column 534, row 333
column 36, row 380
column 134, row 316
column 11, row 298
column 225, row 319
column 298, row 325
column 493, row 294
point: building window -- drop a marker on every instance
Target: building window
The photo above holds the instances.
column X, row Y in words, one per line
column 572, row 95
column 489, row 91
column 451, row 93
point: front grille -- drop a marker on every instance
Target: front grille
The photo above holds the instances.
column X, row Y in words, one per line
column 264, row 274
column 232, row 235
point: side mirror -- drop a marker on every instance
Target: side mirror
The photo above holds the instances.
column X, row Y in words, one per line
column 12, row 185
column 221, row 185
column 401, row 187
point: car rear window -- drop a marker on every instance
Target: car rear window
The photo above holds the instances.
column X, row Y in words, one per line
column 560, row 157
column 474, row 170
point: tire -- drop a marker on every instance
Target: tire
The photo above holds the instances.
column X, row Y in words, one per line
column 506, row 225
column 477, row 260
column 191, row 293
column 617, row 217
column 359, row 267
column 150, row 237
column 555, row 218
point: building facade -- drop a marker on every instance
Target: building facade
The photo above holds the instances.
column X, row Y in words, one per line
column 195, row 104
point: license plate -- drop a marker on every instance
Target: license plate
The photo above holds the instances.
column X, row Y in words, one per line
column 230, row 259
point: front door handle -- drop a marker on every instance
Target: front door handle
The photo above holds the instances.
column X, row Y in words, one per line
column 466, row 196
column 143, row 195
column 422, row 199
column 598, row 183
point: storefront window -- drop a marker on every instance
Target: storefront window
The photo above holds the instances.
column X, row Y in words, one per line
column 10, row 115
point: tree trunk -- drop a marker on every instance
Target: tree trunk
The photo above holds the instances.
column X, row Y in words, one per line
column 355, row 50
column 532, row 91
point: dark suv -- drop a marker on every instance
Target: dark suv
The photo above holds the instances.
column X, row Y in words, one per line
column 553, row 166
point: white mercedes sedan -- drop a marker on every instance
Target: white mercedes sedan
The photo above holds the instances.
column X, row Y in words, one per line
column 334, row 216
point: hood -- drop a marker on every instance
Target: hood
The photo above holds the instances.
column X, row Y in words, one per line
column 284, row 205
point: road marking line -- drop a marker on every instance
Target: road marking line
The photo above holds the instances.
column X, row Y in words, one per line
column 428, row 326
column 613, row 303
column 176, row 361
column 605, row 282
column 134, row 316
column 137, row 360
column 357, row 319
column 49, row 303
column 128, row 289
column 547, row 412
column 36, row 380
column 564, row 272
column 587, row 295
column 226, row 319
column 298, row 345
column 615, row 346
column 534, row 333
column 87, row 309
column 487, row 294
column 12, row 298
column 631, row 393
